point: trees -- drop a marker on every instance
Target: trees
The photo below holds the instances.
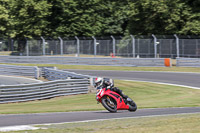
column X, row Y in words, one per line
column 28, row 18
column 192, row 26
column 75, row 18
column 159, row 17
column 88, row 17
column 4, row 17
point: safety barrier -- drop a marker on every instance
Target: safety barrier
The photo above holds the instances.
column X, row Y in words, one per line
column 53, row 74
column 137, row 62
column 45, row 90
column 188, row 62
column 29, row 71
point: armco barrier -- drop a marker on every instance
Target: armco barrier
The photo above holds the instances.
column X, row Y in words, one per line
column 52, row 74
column 188, row 62
column 37, row 91
column 29, row 71
column 137, row 62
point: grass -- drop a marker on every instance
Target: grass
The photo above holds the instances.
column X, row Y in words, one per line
column 146, row 95
column 118, row 68
column 5, row 52
column 162, row 124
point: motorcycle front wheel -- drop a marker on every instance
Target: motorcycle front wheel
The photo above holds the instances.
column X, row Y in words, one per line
column 109, row 103
column 132, row 105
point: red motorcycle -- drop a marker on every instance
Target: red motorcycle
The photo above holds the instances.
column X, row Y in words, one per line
column 112, row 101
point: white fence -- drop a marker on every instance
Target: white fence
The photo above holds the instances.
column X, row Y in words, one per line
column 188, row 62
column 135, row 62
column 37, row 91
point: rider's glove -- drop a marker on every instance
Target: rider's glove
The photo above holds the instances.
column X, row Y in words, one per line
column 108, row 87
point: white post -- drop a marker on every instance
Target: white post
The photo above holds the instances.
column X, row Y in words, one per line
column 61, row 45
column 95, row 46
column 177, row 45
column 27, row 48
column 37, row 72
column 155, row 45
column 78, row 46
column 113, row 45
column 133, row 44
column 43, row 44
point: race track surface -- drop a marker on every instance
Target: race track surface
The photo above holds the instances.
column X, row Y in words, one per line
column 47, row 118
column 14, row 80
column 187, row 79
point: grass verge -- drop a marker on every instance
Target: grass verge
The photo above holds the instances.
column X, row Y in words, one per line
column 146, row 95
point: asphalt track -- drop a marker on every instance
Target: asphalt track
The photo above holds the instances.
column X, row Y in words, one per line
column 67, row 117
column 188, row 79
column 14, row 80
column 179, row 78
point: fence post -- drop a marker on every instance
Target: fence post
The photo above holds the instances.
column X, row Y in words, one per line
column 43, row 44
column 155, row 45
column 27, row 47
column 61, row 45
column 37, row 72
column 113, row 45
column 133, row 44
column 78, row 46
column 177, row 45
column 12, row 44
column 95, row 46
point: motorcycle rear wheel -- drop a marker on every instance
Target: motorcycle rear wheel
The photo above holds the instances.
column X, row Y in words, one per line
column 109, row 103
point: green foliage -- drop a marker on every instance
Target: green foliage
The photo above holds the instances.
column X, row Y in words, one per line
column 29, row 18
column 159, row 17
column 4, row 16
column 88, row 18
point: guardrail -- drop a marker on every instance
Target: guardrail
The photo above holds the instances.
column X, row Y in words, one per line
column 137, row 62
column 53, row 74
column 188, row 62
column 45, row 90
column 29, row 71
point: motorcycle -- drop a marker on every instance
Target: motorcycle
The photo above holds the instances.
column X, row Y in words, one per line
column 112, row 101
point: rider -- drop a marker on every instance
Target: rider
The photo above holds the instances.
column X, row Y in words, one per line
column 101, row 83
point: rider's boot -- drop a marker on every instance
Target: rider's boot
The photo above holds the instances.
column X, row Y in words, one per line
column 125, row 97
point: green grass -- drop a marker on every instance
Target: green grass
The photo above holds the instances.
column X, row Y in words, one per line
column 5, row 52
column 162, row 124
column 146, row 95
column 119, row 68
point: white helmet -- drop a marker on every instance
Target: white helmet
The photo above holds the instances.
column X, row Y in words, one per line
column 98, row 82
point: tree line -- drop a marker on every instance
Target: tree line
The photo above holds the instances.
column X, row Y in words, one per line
column 34, row 18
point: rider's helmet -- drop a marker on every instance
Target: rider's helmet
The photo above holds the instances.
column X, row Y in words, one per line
column 98, row 82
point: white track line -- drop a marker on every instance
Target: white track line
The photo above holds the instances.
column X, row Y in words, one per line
column 19, row 128
column 166, row 84
column 32, row 126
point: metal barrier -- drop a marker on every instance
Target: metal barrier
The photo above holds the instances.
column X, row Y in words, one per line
column 188, row 62
column 30, row 71
column 37, row 91
column 147, row 62
column 52, row 74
